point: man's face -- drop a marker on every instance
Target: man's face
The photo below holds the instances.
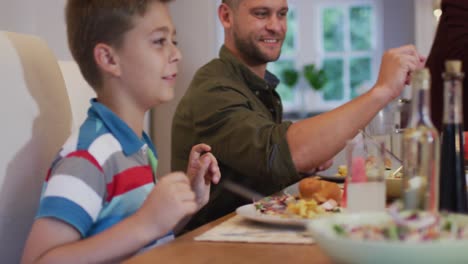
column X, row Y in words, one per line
column 259, row 28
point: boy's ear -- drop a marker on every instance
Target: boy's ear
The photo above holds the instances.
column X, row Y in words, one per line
column 107, row 59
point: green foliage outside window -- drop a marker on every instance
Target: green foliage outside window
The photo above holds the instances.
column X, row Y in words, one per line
column 316, row 77
column 290, row 77
column 289, row 45
column 333, row 29
column 360, row 37
column 360, row 72
column 361, row 27
column 334, row 89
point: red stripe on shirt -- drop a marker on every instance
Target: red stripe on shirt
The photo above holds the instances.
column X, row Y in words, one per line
column 86, row 155
column 49, row 172
column 129, row 180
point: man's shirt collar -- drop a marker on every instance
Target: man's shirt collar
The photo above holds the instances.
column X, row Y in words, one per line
column 270, row 81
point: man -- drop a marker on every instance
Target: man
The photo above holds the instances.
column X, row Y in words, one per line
column 232, row 105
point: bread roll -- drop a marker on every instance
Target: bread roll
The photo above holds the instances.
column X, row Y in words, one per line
column 319, row 190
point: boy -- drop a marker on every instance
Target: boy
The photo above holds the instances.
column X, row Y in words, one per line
column 100, row 203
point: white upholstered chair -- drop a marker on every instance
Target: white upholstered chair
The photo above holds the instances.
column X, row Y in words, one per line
column 78, row 90
column 35, row 120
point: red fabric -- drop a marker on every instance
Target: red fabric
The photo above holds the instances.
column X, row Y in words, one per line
column 128, row 180
column 450, row 43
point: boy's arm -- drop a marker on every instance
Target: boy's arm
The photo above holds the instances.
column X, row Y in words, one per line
column 54, row 241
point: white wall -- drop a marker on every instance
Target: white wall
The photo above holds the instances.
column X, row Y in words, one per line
column 44, row 18
column 398, row 26
column 425, row 25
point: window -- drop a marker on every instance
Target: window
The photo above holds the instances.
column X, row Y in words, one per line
column 348, row 49
column 342, row 37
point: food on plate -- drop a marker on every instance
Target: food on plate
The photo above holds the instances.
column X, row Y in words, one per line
column 319, row 190
column 408, row 226
column 274, row 205
column 289, row 206
column 311, row 208
column 316, row 198
column 342, row 171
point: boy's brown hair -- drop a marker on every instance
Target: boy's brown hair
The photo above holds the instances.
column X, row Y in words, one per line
column 90, row 22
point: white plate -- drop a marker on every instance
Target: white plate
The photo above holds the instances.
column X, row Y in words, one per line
column 347, row 250
column 248, row 211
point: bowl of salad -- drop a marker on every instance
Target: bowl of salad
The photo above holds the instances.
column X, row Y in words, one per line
column 393, row 237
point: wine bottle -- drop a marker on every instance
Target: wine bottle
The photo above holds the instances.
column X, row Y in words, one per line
column 452, row 173
column 421, row 150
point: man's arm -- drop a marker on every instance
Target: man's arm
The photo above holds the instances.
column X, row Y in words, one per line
column 315, row 140
column 242, row 135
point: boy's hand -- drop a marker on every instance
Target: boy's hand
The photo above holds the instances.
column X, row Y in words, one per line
column 396, row 67
column 202, row 170
column 169, row 202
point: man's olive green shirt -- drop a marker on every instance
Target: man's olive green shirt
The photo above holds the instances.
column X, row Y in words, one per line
column 239, row 115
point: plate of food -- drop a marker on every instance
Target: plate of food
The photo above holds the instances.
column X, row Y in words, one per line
column 393, row 237
column 316, row 198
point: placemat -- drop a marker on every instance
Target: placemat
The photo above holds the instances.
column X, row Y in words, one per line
column 238, row 229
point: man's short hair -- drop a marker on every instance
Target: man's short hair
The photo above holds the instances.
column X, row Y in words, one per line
column 90, row 22
column 232, row 3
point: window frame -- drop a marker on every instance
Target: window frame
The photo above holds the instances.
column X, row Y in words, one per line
column 375, row 52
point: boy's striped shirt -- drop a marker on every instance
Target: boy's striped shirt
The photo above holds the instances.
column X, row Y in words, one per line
column 101, row 175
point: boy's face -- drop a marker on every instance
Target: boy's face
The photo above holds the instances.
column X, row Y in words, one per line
column 259, row 29
column 148, row 57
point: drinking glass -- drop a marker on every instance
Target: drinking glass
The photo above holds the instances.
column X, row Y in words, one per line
column 365, row 183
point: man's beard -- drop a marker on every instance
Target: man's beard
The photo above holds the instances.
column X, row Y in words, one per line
column 252, row 52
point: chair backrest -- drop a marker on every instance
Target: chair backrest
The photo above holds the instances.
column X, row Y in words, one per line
column 36, row 120
column 79, row 91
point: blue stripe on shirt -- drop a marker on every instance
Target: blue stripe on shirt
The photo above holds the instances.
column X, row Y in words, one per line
column 67, row 211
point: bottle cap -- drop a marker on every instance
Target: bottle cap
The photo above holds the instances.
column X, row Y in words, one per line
column 453, row 66
column 421, row 77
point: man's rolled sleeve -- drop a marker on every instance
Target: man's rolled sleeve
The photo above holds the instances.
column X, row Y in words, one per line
column 243, row 136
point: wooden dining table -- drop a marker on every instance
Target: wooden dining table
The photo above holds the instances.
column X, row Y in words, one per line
column 185, row 249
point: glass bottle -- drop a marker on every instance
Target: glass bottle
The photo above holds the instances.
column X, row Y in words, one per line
column 421, row 149
column 452, row 173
